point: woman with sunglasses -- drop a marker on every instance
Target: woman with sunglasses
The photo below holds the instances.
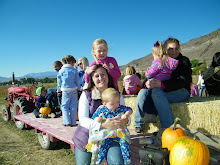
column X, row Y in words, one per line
column 174, row 90
column 83, row 63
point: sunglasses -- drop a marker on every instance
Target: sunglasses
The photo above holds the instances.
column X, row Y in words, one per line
column 79, row 64
column 57, row 68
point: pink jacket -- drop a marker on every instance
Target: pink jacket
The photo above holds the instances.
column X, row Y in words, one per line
column 114, row 70
column 156, row 71
column 130, row 83
column 194, row 90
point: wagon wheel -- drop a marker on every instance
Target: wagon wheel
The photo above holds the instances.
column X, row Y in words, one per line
column 6, row 113
column 21, row 106
column 44, row 140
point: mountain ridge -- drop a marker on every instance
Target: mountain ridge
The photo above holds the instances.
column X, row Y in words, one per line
column 201, row 48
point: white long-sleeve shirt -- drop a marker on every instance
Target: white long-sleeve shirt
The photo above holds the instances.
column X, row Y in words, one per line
column 201, row 81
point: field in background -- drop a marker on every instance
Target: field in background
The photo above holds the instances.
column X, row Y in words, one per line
column 22, row 146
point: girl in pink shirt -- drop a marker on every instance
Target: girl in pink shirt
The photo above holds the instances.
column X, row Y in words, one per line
column 99, row 52
column 162, row 65
column 131, row 81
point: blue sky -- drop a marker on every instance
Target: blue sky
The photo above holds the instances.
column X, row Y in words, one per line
column 35, row 33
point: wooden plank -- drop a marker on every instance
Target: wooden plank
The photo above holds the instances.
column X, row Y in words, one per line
column 52, row 126
column 55, row 128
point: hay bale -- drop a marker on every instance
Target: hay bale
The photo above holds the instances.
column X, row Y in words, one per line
column 200, row 113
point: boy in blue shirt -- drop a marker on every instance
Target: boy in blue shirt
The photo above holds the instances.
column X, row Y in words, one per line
column 68, row 82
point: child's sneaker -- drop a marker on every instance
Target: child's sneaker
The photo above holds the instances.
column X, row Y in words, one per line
column 138, row 129
column 43, row 116
column 52, row 115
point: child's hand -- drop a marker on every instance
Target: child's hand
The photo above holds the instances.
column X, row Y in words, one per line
column 90, row 69
column 106, row 67
column 123, row 117
column 98, row 119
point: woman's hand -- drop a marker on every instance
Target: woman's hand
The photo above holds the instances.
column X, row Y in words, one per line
column 114, row 123
column 153, row 83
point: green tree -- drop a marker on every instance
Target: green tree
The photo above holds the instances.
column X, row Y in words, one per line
column 23, row 80
column 194, row 63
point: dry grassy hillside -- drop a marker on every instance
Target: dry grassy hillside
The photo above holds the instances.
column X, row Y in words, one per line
column 202, row 48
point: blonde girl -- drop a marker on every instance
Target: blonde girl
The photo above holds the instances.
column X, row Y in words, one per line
column 99, row 52
column 131, row 81
column 162, row 65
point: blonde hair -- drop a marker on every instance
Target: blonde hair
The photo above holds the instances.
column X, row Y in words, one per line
column 98, row 42
column 130, row 70
column 109, row 93
column 67, row 59
column 159, row 49
column 85, row 62
column 94, row 44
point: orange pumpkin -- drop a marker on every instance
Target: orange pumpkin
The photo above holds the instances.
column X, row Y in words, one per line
column 188, row 151
column 171, row 134
column 45, row 110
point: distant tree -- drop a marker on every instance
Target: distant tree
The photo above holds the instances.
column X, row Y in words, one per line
column 194, row 63
column 23, row 81
column 46, row 80
column 30, row 80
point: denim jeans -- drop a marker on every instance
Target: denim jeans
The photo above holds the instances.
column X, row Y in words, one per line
column 114, row 155
column 201, row 91
column 69, row 107
column 157, row 101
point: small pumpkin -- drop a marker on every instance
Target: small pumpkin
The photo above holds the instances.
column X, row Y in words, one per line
column 171, row 134
column 187, row 150
column 45, row 110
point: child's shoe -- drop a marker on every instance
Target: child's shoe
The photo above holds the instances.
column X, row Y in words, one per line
column 43, row 116
column 52, row 115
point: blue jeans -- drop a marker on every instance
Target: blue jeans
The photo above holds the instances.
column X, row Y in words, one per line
column 114, row 155
column 201, row 91
column 69, row 107
column 157, row 101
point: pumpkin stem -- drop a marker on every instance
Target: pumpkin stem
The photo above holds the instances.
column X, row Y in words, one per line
column 177, row 120
column 194, row 136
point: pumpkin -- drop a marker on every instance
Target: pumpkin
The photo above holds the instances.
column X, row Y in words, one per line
column 171, row 134
column 45, row 110
column 188, row 151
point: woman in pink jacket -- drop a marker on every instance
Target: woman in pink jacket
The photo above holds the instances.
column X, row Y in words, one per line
column 131, row 81
column 99, row 52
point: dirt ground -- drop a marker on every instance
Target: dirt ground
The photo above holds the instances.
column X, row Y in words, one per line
column 21, row 147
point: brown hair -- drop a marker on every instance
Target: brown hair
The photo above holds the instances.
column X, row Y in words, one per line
column 67, row 59
column 57, row 63
column 91, row 83
column 171, row 40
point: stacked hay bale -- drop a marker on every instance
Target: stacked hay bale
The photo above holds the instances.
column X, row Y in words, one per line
column 200, row 113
